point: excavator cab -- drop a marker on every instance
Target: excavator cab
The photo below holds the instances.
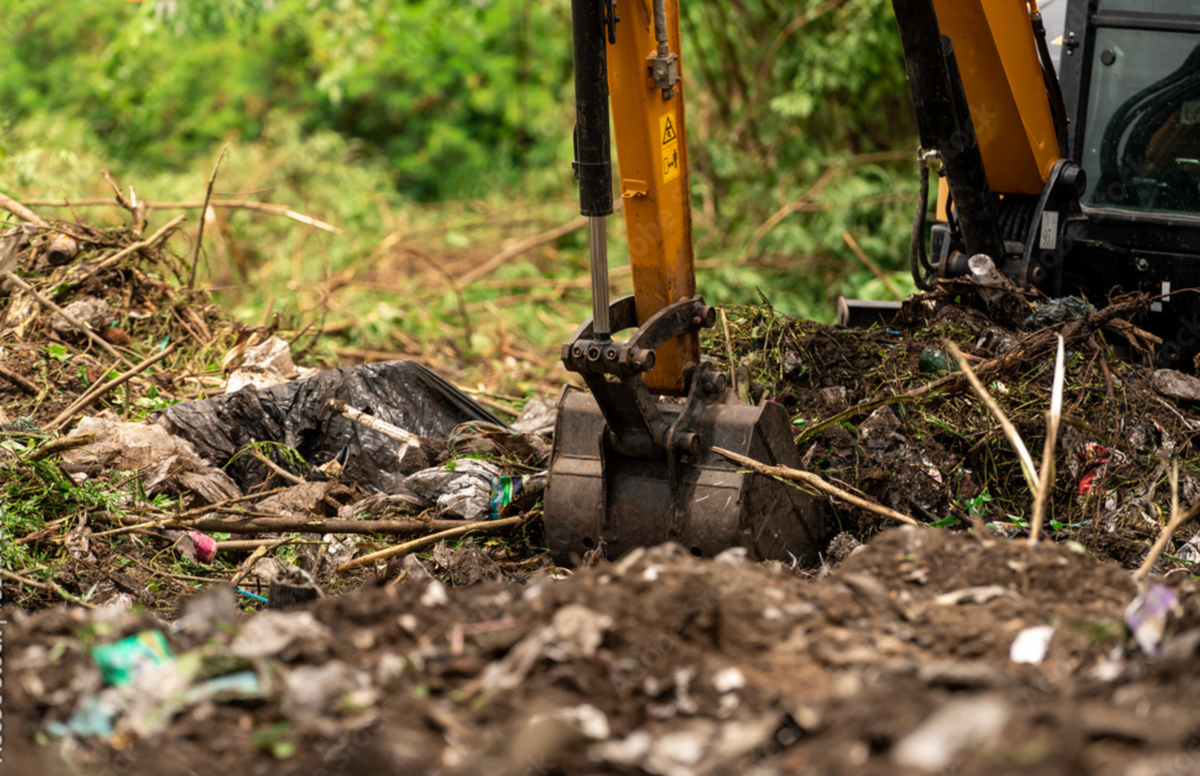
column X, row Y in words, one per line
column 1075, row 176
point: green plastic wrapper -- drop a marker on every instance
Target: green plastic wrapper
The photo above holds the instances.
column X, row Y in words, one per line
column 510, row 494
column 122, row 661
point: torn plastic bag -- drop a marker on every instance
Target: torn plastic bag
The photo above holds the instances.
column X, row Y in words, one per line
column 166, row 463
column 462, row 491
column 404, row 393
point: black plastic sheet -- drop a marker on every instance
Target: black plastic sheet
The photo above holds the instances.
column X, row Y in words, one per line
column 403, row 393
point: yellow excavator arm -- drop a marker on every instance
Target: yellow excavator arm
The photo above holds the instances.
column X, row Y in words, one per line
column 1003, row 79
column 650, row 138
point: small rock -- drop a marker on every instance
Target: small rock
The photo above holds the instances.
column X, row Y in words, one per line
column 96, row 313
column 842, row 546
column 1176, row 385
column 1031, row 644
column 729, row 679
column 956, row 727
column 878, row 430
column 831, row 401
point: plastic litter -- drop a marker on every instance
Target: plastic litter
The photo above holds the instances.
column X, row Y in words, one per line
column 462, row 488
column 1095, row 458
column 197, row 546
column 575, row 632
column 122, row 662
column 956, row 727
column 992, row 285
column 1176, row 385
column 205, row 614
column 512, row 493
column 292, row 587
column 312, row 693
column 995, row 341
column 238, row 686
column 95, row 717
column 403, row 393
column 1146, row 616
column 282, row 635
column 167, row 464
column 263, row 365
column 934, row 360
column 538, row 417
column 1061, row 310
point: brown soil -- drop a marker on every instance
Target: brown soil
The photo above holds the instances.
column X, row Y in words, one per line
column 715, row 666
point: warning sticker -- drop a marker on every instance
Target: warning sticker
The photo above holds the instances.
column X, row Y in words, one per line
column 669, row 146
column 1190, row 112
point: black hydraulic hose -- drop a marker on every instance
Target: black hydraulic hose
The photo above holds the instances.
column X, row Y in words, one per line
column 918, row 261
column 1058, row 106
column 593, row 154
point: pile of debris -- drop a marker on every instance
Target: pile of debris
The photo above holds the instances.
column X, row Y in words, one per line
column 202, row 438
column 923, row 652
column 200, row 457
column 886, row 412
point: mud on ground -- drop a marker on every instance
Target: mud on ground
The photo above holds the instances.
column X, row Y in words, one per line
column 897, row 663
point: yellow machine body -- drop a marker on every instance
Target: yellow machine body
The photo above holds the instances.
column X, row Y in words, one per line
column 1002, row 77
column 650, row 139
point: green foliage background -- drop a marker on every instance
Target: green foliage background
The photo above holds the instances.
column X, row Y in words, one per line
column 356, row 110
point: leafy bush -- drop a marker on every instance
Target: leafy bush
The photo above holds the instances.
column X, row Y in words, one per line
column 164, row 82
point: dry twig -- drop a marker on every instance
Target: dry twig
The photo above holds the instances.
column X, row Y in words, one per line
column 149, row 242
column 62, row 445
column 20, row 211
column 870, row 264
column 816, row 482
column 1053, row 421
column 49, row 587
column 19, row 381
column 227, row 204
column 483, row 526
column 204, row 216
column 1010, row 431
column 279, row 470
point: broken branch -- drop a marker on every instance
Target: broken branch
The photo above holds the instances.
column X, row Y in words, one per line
column 483, row 526
column 61, row 445
column 20, row 211
column 1177, row 521
column 19, row 381
column 204, row 215
column 149, row 242
column 814, row 481
column 1053, row 420
column 96, row 392
column 228, row 204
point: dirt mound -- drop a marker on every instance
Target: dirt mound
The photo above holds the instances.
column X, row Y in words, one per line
column 662, row 663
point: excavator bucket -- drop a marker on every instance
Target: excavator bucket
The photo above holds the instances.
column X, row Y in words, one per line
column 598, row 497
column 630, row 470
